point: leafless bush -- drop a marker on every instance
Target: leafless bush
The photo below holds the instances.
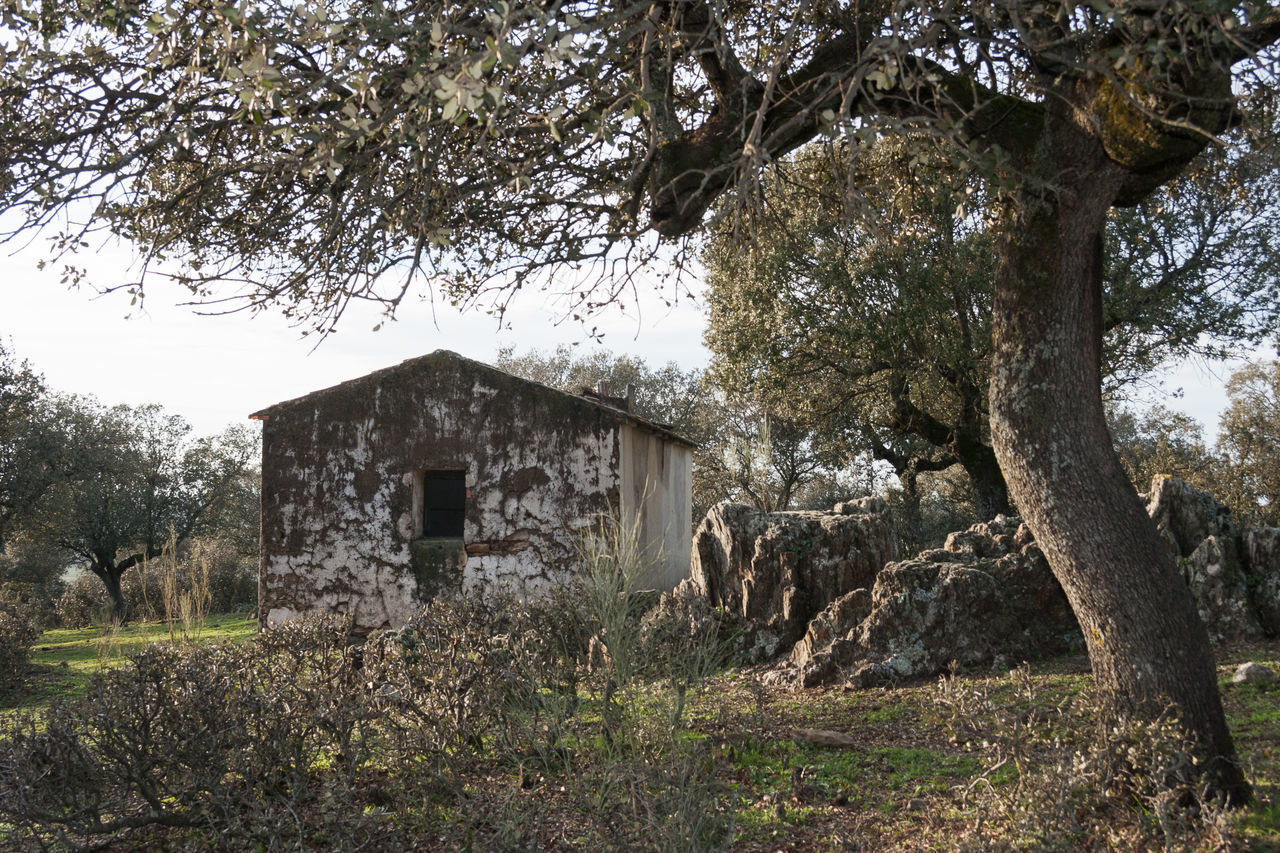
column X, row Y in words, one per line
column 471, row 672
column 259, row 742
column 17, row 635
column 1070, row 773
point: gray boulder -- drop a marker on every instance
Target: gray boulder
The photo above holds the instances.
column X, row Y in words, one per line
column 1254, row 673
column 775, row 571
column 1202, row 537
column 1261, row 548
column 988, row 592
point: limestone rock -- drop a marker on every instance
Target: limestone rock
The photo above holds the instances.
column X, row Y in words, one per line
column 775, row 571
column 1262, row 562
column 987, row 592
column 1185, row 515
column 1216, row 576
column 1202, row 537
column 1253, row 673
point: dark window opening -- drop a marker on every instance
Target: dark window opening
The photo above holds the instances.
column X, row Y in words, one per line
column 444, row 503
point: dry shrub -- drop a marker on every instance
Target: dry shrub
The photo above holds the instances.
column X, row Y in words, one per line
column 470, row 673
column 1086, row 778
column 208, row 571
column 30, row 600
column 298, row 739
column 18, row 634
column 258, row 743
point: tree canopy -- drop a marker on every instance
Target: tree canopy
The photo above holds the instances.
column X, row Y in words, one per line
column 744, row 453
column 1249, row 442
column 270, row 153
column 136, row 480
column 878, row 327
column 30, row 450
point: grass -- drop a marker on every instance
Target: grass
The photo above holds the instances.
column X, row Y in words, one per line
column 63, row 659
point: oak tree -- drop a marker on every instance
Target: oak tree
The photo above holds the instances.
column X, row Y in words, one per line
column 290, row 155
column 135, row 480
column 31, row 449
column 878, row 326
column 1249, row 443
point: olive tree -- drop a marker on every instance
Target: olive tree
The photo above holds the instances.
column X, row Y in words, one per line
column 303, row 157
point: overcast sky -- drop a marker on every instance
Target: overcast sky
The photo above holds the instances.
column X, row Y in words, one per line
column 215, row 371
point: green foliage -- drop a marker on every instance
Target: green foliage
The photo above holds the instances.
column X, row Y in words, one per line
column 1195, row 271
column 874, row 329
column 1158, row 441
column 131, row 478
column 30, row 445
column 747, row 452
column 873, row 332
column 1249, row 442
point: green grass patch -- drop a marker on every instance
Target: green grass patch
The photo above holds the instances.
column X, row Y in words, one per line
column 62, row 659
column 866, row 776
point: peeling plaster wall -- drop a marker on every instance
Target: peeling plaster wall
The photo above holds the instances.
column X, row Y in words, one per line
column 342, row 495
column 657, row 479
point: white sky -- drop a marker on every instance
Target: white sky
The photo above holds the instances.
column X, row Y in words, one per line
column 214, row 371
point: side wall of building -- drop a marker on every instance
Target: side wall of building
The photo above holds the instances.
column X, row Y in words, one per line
column 342, row 489
column 657, row 476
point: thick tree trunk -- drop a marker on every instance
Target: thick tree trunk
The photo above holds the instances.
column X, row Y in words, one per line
column 1146, row 642
column 986, row 481
column 110, row 577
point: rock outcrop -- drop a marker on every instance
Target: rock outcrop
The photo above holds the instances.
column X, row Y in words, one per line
column 775, row 571
column 1261, row 549
column 1202, row 537
column 987, row 592
column 823, row 585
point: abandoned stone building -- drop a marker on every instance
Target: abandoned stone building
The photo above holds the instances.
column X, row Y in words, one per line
column 442, row 473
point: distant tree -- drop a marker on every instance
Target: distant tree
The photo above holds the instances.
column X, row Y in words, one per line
column 668, row 394
column 746, row 453
column 759, row 457
column 31, row 447
column 135, row 479
column 1159, row 441
column 1249, row 442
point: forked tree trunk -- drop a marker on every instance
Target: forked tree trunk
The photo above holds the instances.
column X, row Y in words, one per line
column 1147, row 645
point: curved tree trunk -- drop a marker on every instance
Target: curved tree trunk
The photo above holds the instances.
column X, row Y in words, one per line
column 1146, row 642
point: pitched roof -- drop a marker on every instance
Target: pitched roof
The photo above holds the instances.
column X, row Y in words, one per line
column 444, row 359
